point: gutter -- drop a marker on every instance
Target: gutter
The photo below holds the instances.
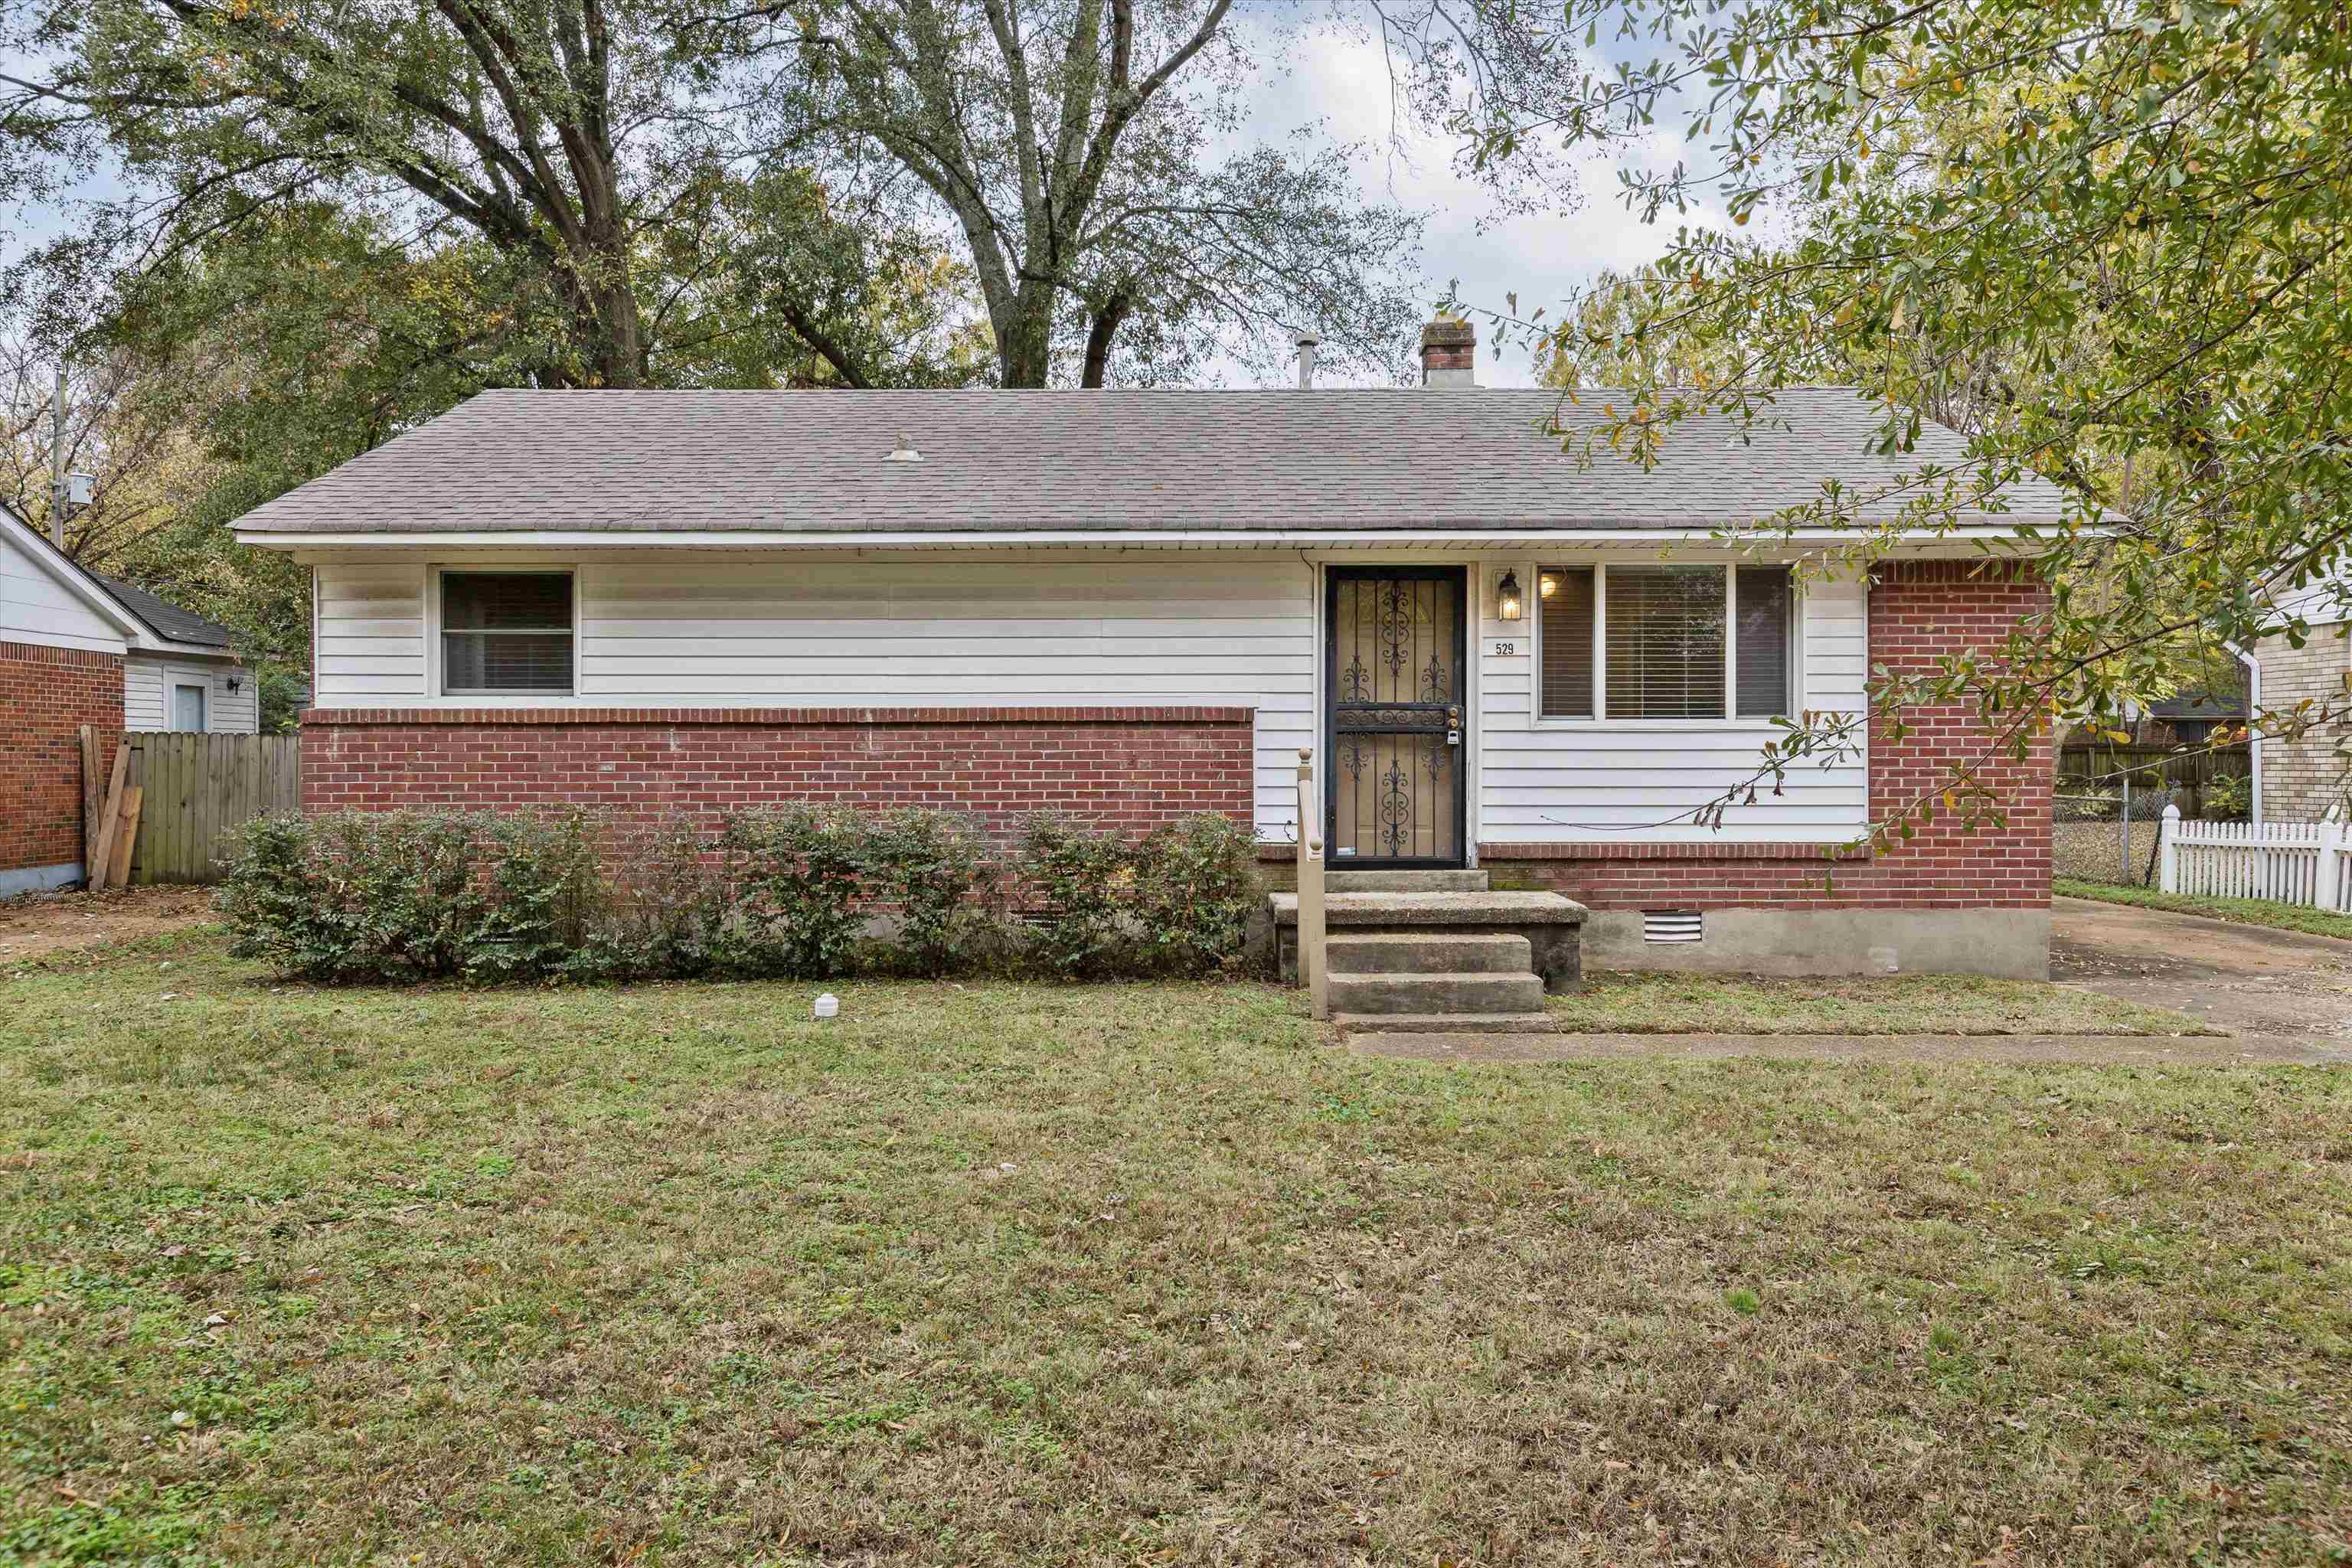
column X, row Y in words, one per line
column 1212, row 539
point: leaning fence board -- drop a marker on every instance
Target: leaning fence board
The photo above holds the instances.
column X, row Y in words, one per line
column 94, row 870
column 2287, row 862
column 199, row 790
column 126, row 834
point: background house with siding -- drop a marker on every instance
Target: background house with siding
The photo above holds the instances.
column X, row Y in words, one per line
column 1132, row 604
column 77, row 648
column 2302, row 778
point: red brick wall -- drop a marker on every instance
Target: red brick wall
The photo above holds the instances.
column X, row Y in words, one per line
column 1919, row 611
column 47, row 694
column 1126, row 767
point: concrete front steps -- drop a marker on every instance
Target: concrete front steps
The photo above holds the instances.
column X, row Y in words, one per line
column 1431, row 951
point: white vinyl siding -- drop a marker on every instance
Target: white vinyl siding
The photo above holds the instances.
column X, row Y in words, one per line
column 36, row 608
column 147, row 694
column 683, row 630
column 1585, row 780
column 939, row 630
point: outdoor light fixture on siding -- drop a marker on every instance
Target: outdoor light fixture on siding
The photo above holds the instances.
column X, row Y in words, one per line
column 1506, row 596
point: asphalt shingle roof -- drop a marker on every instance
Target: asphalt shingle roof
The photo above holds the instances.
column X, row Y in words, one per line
column 1016, row 462
column 167, row 619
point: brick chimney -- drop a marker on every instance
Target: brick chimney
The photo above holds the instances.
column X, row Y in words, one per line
column 1449, row 353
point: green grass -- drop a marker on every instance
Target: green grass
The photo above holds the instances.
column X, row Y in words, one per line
column 1872, row 1004
column 2245, row 911
column 1026, row 1275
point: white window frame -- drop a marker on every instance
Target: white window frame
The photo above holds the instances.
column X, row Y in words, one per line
column 1600, row 715
column 504, row 694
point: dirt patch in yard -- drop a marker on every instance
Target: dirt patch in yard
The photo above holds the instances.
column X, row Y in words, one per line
column 43, row 924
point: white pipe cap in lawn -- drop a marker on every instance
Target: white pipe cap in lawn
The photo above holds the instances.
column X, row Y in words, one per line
column 828, row 1006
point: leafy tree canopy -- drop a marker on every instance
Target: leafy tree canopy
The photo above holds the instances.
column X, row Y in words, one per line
column 2109, row 241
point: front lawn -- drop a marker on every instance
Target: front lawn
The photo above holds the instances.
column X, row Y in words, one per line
column 2244, row 912
column 1006, row 1274
column 1858, row 1004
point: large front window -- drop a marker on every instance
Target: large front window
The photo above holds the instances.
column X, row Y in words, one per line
column 506, row 631
column 1666, row 642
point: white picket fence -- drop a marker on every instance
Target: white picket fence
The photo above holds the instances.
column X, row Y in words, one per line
column 2291, row 862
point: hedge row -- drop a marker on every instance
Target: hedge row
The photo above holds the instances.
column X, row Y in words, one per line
column 804, row 892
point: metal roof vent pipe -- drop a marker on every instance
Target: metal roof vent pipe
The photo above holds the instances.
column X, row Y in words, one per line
column 1307, row 343
column 904, row 452
column 1449, row 353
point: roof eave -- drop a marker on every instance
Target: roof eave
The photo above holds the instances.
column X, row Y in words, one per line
column 1164, row 538
column 73, row 577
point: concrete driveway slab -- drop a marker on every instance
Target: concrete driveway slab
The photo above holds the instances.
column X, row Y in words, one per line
column 2252, row 980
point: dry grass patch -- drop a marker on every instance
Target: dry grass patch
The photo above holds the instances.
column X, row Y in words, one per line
column 1853, row 1005
column 1036, row 1275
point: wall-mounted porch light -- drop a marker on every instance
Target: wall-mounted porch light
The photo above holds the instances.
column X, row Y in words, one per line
column 1506, row 598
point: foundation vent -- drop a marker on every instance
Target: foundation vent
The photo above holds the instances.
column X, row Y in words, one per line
column 1673, row 925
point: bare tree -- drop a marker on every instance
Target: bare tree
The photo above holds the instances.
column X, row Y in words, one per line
column 1073, row 147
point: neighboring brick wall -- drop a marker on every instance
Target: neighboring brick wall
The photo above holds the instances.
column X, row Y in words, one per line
column 2302, row 778
column 1919, row 611
column 47, row 694
column 1132, row 768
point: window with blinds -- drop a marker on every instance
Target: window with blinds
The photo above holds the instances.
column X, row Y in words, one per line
column 1663, row 639
column 506, row 631
column 1564, row 600
column 1766, row 600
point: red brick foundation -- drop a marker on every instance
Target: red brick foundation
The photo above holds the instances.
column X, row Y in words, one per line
column 1130, row 768
column 1919, row 612
column 47, row 694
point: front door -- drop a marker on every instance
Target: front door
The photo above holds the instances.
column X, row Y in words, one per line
column 1393, row 727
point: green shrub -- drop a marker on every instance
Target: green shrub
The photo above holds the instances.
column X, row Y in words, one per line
column 358, row 896
column 1078, row 885
column 664, row 906
column 495, row 898
column 934, row 865
column 1194, row 881
column 2229, row 799
column 794, row 877
column 545, row 895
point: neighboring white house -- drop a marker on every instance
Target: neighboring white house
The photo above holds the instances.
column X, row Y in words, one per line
column 192, row 681
column 80, row 649
column 180, row 671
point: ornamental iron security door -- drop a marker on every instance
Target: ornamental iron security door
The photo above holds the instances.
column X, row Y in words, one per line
column 1394, row 644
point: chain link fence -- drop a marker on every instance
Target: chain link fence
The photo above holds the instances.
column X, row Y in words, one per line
column 2110, row 835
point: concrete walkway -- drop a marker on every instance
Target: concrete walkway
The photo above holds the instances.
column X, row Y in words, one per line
column 2078, row 1051
column 2281, row 996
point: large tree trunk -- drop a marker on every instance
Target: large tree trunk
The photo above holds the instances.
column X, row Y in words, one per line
column 1099, row 333
column 622, row 359
column 1024, row 342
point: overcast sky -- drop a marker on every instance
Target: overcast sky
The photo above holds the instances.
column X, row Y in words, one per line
column 1344, row 82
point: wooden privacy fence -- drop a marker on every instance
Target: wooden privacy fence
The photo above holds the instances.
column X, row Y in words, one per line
column 2291, row 862
column 194, row 789
column 2186, row 773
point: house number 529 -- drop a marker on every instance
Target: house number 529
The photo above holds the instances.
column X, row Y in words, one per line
column 1505, row 647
